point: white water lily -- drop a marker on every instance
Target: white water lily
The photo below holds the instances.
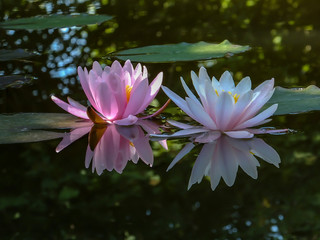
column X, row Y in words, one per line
column 222, row 157
column 224, row 107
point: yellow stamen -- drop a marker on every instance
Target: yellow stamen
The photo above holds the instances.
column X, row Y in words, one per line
column 128, row 92
column 236, row 97
column 251, row 152
column 131, row 144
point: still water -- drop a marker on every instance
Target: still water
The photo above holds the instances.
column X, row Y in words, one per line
column 49, row 195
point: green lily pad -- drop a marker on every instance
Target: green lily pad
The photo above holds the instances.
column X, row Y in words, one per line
column 53, row 21
column 24, row 136
column 29, row 127
column 7, row 55
column 14, row 81
column 296, row 100
column 26, row 121
column 181, row 52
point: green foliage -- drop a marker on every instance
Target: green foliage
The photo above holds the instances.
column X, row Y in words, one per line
column 53, row 21
column 181, row 52
column 296, row 100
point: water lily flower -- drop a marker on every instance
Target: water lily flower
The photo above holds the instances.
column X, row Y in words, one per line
column 224, row 107
column 111, row 146
column 117, row 94
column 222, row 157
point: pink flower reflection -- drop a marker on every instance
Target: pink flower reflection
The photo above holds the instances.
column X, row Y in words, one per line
column 222, row 157
column 117, row 94
column 112, row 146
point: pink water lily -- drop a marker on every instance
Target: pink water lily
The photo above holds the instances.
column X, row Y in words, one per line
column 112, row 146
column 224, row 107
column 117, row 94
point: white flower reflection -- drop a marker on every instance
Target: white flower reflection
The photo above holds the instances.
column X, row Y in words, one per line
column 220, row 159
column 111, row 146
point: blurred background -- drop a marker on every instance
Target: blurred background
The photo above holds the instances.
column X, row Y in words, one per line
column 45, row 195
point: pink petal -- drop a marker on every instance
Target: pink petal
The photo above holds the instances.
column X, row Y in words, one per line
column 153, row 90
column 69, row 108
column 130, row 120
column 85, row 85
column 107, row 101
column 137, row 71
column 141, row 143
column 89, row 155
column 97, row 68
column 136, row 98
column 76, row 104
column 71, row 137
column 128, row 67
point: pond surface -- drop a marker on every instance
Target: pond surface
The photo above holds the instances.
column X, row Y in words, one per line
column 49, row 195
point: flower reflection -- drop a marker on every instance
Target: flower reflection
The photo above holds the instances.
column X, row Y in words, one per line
column 224, row 107
column 112, row 146
column 117, row 94
column 220, row 159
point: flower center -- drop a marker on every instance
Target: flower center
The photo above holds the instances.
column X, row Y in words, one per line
column 128, row 92
column 235, row 96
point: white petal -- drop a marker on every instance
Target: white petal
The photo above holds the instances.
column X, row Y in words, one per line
column 224, row 110
column 239, row 134
column 259, row 118
column 179, row 124
column 200, row 115
column 185, row 150
column 243, row 86
column 265, row 151
column 200, row 166
column 226, row 82
column 178, row 101
column 188, row 91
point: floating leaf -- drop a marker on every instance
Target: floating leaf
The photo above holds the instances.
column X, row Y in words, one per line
column 14, row 81
column 53, row 21
column 7, row 55
column 26, row 121
column 181, row 52
column 296, row 100
column 28, row 127
column 24, row 136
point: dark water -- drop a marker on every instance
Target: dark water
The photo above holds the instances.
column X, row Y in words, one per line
column 45, row 195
